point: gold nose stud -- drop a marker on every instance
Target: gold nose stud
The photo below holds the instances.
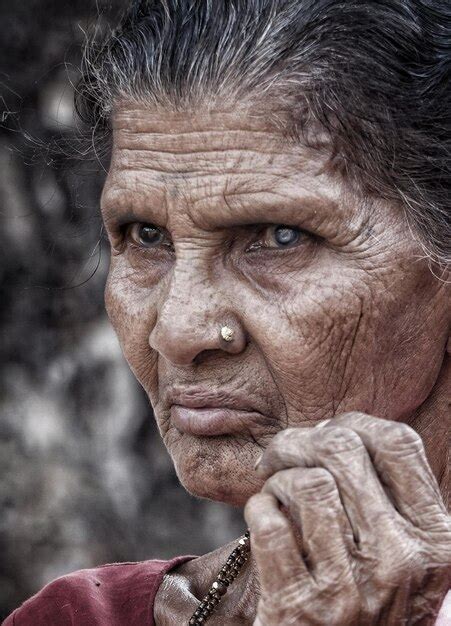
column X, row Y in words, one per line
column 227, row 333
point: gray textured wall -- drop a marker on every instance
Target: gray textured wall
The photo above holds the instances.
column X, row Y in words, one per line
column 84, row 478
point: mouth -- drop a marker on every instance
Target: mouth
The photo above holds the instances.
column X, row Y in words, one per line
column 202, row 413
column 212, row 421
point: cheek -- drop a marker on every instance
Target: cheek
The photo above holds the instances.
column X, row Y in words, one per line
column 352, row 340
column 131, row 313
column 307, row 337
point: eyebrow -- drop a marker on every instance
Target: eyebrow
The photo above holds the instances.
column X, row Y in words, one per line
column 305, row 210
column 261, row 207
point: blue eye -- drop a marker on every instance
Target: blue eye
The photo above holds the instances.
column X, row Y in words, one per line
column 286, row 236
column 278, row 237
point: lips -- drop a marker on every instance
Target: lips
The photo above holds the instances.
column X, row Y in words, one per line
column 211, row 422
column 203, row 413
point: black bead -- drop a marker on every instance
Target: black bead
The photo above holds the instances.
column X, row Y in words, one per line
column 226, row 576
column 222, row 588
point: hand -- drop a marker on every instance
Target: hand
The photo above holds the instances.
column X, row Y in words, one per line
column 366, row 538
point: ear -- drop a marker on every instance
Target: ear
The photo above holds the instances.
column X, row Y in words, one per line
column 448, row 345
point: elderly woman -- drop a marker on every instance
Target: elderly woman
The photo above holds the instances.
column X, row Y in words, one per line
column 278, row 207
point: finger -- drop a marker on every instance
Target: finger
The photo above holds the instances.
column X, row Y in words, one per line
column 399, row 457
column 312, row 497
column 342, row 453
column 274, row 546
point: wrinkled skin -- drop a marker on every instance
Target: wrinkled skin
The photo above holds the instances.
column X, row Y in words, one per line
column 347, row 324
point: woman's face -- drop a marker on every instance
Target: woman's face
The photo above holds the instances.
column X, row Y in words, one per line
column 215, row 219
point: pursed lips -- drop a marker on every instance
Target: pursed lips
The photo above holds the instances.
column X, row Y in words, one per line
column 201, row 412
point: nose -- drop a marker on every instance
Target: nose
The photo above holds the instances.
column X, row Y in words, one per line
column 190, row 319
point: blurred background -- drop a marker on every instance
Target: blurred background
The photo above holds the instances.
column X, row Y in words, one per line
column 84, row 478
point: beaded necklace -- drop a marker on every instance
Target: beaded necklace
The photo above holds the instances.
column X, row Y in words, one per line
column 225, row 577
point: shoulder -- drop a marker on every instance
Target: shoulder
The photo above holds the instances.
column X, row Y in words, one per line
column 109, row 595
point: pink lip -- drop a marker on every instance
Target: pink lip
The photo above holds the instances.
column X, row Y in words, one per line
column 210, row 421
column 203, row 411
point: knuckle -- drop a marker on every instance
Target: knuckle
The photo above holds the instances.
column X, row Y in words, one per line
column 401, row 438
column 268, row 532
column 337, row 439
column 313, row 483
column 283, row 437
column 255, row 506
column 302, row 483
column 280, row 480
column 281, row 445
column 438, row 533
column 391, row 574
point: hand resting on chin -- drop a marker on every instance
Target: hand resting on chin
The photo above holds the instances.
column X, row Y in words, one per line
column 372, row 537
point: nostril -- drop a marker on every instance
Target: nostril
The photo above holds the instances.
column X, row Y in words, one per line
column 208, row 357
column 187, row 339
column 176, row 344
column 153, row 340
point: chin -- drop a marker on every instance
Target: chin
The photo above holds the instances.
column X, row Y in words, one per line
column 217, row 468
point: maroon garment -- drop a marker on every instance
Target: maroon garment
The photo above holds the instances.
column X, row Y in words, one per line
column 120, row 594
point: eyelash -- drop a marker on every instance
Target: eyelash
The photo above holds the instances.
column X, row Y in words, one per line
column 254, row 247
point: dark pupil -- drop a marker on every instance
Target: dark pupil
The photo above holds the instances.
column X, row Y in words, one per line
column 285, row 235
column 149, row 235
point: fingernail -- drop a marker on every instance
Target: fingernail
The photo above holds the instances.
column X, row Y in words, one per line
column 258, row 461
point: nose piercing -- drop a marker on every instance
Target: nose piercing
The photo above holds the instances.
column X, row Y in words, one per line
column 227, row 333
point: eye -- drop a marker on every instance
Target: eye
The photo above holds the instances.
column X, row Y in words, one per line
column 285, row 236
column 146, row 235
column 278, row 236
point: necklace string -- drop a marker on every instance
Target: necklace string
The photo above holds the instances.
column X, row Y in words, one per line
column 224, row 579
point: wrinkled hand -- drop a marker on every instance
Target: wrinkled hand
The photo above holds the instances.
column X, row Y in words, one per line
column 368, row 541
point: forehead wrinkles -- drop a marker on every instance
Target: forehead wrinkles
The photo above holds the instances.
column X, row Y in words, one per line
column 207, row 137
column 210, row 152
column 199, row 140
column 210, row 182
column 179, row 164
